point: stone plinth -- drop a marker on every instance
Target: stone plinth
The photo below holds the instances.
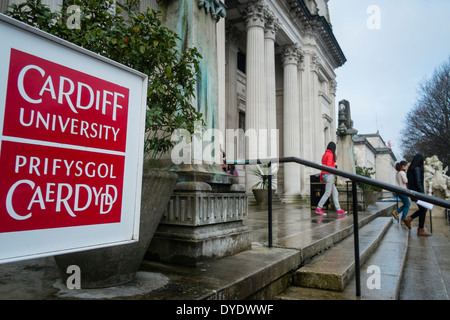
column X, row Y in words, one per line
column 203, row 221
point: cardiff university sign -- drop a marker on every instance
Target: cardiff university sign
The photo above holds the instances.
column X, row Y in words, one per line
column 71, row 147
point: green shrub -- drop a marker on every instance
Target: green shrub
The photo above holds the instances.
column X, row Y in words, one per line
column 138, row 40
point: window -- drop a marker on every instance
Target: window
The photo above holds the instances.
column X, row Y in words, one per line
column 241, row 61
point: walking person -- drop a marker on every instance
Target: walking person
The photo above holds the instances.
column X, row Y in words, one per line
column 402, row 181
column 329, row 159
column 415, row 175
column 231, row 169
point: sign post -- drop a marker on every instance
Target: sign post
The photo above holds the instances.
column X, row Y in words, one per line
column 72, row 129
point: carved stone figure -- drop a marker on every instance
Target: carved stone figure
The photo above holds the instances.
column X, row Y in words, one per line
column 436, row 182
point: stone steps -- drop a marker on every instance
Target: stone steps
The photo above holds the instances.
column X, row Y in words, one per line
column 383, row 248
column 333, row 269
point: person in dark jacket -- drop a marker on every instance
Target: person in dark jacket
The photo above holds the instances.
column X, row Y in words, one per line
column 415, row 176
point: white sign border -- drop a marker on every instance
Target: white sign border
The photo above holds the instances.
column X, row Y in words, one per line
column 88, row 236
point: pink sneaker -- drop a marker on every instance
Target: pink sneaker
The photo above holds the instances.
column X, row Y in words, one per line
column 341, row 212
column 320, row 211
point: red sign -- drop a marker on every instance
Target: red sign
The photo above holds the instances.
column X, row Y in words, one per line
column 63, row 150
column 49, row 102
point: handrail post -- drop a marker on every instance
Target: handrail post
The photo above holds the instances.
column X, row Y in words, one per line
column 269, row 204
column 356, row 239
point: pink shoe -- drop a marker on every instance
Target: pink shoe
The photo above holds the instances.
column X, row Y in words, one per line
column 341, row 212
column 320, row 211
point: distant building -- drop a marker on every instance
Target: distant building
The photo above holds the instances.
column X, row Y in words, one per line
column 372, row 151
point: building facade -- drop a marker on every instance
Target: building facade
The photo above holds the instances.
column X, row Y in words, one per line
column 276, row 62
column 371, row 152
column 280, row 58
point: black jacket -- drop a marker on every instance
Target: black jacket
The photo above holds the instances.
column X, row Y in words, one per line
column 415, row 180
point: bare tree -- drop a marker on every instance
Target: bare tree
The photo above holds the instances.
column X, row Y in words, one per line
column 427, row 128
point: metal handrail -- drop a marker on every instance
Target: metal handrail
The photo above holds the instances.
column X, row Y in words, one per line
column 354, row 178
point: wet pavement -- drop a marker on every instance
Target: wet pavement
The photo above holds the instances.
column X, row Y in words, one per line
column 298, row 233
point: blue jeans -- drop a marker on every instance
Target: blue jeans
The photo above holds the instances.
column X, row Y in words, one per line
column 404, row 209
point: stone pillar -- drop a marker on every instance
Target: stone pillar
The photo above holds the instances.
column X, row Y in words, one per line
column 333, row 88
column 221, row 82
column 291, row 118
column 345, row 151
column 272, row 26
column 316, row 108
column 306, row 118
column 256, row 111
column 232, row 120
column 204, row 219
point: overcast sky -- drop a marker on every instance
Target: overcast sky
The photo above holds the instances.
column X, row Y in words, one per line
column 390, row 46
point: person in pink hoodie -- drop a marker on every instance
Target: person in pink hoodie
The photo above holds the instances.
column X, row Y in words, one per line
column 329, row 159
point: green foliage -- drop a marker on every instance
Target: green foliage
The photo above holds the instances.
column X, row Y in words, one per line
column 366, row 172
column 261, row 173
column 138, row 40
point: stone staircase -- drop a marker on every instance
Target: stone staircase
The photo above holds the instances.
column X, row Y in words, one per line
column 330, row 274
column 312, row 259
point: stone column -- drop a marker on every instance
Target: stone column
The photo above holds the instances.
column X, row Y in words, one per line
column 316, row 106
column 232, row 49
column 255, row 116
column 256, row 111
column 221, row 82
column 291, row 118
column 345, row 151
column 333, row 88
column 204, row 219
column 272, row 26
column 306, row 118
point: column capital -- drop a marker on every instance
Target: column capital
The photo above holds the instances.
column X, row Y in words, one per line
column 232, row 36
column 291, row 54
column 272, row 25
column 254, row 14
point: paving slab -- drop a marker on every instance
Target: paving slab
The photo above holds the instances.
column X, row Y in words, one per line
column 427, row 268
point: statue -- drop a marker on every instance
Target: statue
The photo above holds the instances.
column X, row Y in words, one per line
column 436, row 182
column 345, row 120
column 345, row 133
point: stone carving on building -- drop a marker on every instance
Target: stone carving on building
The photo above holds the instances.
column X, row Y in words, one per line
column 345, row 119
column 436, row 182
column 345, row 133
column 292, row 54
column 272, row 25
column 214, row 7
column 254, row 14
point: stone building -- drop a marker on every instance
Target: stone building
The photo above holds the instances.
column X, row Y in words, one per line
column 280, row 58
column 371, row 152
column 267, row 67
column 275, row 70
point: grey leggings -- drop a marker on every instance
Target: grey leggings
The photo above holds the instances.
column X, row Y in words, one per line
column 330, row 189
